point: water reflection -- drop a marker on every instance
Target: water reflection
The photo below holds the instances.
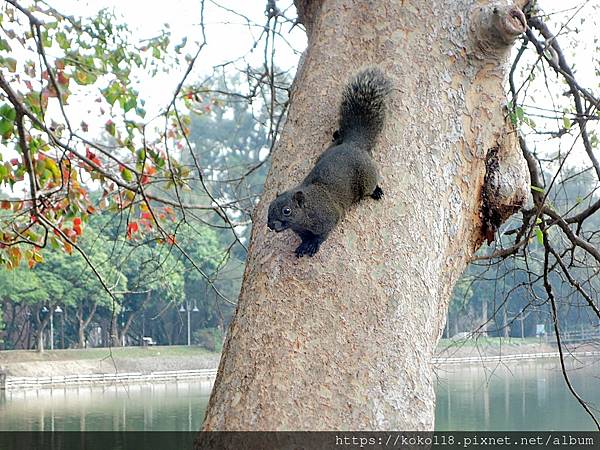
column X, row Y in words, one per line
column 176, row 407
column 522, row 396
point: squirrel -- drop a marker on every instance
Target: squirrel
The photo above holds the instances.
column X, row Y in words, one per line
column 344, row 174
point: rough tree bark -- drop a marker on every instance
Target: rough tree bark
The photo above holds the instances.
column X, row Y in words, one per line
column 344, row 340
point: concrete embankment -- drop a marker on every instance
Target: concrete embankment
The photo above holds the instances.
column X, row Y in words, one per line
column 50, row 369
column 28, row 369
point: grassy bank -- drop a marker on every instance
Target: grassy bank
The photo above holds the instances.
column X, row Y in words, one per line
column 172, row 351
column 106, row 360
column 162, row 358
column 489, row 342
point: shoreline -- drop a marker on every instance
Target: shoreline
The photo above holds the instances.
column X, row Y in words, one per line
column 13, row 383
column 64, row 368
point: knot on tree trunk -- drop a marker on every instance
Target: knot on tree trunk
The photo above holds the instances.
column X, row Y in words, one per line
column 495, row 26
column 506, row 183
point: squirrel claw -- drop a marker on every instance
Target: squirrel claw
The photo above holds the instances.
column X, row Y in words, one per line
column 307, row 248
column 377, row 193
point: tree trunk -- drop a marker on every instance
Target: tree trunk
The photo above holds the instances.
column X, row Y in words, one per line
column 344, row 340
column 506, row 325
column 41, row 327
column 133, row 315
column 114, row 331
column 39, row 341
column 484, row 318
column 83, row 323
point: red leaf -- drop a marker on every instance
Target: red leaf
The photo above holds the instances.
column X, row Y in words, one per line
column 132, row 228
column 62, row 79
column 146, row 216
column 77, row 221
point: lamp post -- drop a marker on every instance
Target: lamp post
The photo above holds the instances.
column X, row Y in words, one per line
column 187, row 310
column 51, row 312
column 45, row 310
column 58, row 310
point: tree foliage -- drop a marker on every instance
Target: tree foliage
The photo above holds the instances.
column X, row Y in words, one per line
column 153, row 204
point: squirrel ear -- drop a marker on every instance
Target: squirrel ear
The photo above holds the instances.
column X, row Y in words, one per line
column 299, row 198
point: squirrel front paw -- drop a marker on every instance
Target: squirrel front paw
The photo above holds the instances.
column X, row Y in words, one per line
column 307, row 248
column 377, row 193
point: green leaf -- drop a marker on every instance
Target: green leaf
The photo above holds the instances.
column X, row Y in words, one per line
column 62, row 40
column 9, row 63
column 129, row 104
column 110, row 127
column 54, row 243
column 8, row 112
column 537, row 189
column 6, row 126
column 540, row 235
column 566, row 123
column 127, row 175
column 84, row 78
column 519, row 113
column 53, row 168
column 46, row 41
column 112, row 93
column 4, row 45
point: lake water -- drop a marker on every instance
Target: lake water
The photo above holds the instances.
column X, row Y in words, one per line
column 522, row 396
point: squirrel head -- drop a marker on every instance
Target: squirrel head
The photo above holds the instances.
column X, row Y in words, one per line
column 287, row 210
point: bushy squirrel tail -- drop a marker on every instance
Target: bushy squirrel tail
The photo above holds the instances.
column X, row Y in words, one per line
column 362, row 112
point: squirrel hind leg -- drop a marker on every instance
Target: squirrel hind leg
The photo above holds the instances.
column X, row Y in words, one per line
column 377, row 193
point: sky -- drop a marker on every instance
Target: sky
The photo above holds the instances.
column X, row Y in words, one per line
column 229, row 36
column 233, row 25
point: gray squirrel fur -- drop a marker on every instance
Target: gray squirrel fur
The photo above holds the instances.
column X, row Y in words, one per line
column 344, row 174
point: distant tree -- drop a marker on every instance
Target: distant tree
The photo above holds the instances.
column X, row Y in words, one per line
column 28, row 294
column 154, row 284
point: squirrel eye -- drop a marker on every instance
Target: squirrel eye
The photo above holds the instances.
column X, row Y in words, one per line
column 286, row 211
